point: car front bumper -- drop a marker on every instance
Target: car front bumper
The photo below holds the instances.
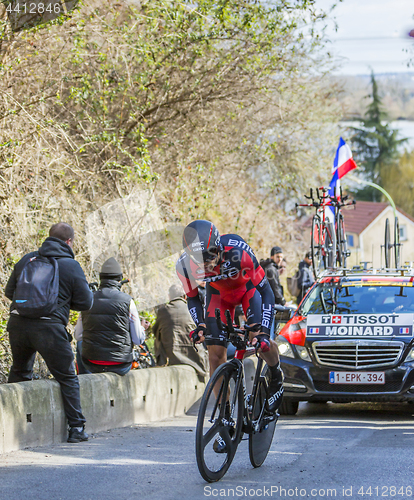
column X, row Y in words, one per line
column 305, row 381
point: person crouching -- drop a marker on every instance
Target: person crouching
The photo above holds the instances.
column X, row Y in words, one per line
column 111, row 327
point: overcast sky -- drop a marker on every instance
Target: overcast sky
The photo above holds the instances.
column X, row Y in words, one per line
column 371, row 34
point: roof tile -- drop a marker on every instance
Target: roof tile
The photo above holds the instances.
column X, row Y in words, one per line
column 358, row 217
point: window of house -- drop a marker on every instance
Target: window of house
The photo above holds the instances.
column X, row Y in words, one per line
column 403, row 233
column 350, row 240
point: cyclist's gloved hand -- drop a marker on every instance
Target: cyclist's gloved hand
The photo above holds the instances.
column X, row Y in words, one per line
column 263, row 342
column 195, row 335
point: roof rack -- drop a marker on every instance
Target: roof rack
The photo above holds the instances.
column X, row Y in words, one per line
column 341, row 272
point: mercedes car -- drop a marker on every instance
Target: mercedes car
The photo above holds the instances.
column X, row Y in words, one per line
column 351, row 339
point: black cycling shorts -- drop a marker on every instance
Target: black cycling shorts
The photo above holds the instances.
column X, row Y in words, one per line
column 246, row 295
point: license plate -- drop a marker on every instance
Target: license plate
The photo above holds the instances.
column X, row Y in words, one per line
column 357, row 377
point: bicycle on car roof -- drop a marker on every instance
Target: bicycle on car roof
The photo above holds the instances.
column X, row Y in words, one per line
column 328, row 238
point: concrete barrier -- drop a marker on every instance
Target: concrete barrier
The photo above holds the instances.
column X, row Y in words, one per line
column 31, row 413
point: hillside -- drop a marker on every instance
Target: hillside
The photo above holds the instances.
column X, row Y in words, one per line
column 222, row 113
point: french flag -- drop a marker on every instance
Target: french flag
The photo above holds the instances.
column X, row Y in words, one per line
column 343, row 163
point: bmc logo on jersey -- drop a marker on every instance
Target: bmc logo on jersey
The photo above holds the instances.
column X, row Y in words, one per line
column 197, row 246
column 241, row 244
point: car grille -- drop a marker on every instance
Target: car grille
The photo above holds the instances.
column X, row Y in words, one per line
column 357, row 354
column 355, row 388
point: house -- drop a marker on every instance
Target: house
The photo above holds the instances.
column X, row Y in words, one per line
column 365, row 230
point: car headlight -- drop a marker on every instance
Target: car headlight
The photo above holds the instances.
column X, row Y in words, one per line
column 303, row 353
column 285, row 349
column 410, row 355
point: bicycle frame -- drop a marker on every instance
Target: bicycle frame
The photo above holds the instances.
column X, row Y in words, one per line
column 241, row 337
column 239, row 356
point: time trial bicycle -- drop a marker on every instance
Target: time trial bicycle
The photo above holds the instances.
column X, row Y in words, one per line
column 226, row 410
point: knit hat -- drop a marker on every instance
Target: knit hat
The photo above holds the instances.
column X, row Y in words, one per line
column 110, row 269
column 275, row 250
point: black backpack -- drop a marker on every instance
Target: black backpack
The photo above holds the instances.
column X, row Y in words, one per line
column 37, row 287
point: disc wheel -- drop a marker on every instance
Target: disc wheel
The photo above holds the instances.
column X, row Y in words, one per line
column 342, row 247
column 263, row 423
column 387, row 244
column 316, row 246
column 397, row 245
column 215, row 421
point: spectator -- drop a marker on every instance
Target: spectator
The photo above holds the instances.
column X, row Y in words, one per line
column 47, row 334
column 171, row 329
column 111, row 327
column 282, row 267
column 305, row 278
column 78, row 336
column 282, row 270
column 271, row 268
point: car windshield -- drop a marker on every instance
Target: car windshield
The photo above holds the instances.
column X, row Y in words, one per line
column 334, row 298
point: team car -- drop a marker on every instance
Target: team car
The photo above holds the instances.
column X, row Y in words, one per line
column 351, row 339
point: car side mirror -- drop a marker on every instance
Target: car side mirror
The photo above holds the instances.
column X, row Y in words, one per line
column 283, row 314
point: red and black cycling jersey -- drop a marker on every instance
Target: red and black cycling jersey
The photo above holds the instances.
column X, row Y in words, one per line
column 237, row 270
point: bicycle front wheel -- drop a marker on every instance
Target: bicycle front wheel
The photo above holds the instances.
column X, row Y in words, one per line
column 263, row 423
column 342, row 247
column 219, row 421
column 328, row 245
column 316, row 246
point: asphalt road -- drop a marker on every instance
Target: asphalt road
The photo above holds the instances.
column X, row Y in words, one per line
column 325, row 451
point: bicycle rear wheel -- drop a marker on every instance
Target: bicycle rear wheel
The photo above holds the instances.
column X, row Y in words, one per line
column 397, row 244
column 263, row 423
column 387, row 244
column 316, row 246
column 219, row 421
column 342, row 247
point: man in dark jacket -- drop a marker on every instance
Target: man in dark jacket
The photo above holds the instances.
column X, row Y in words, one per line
column 111, row 327
column 271, row 268
column 48, row 335
column 305, row 279
column 171, row 330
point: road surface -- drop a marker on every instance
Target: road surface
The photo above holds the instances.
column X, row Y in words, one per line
column 325, row 451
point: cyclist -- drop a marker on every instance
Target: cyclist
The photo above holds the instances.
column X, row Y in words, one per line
column 233, row 276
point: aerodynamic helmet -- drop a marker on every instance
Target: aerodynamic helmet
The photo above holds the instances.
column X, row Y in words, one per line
column 201, row 241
